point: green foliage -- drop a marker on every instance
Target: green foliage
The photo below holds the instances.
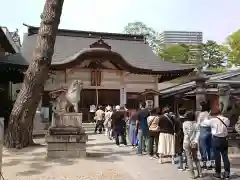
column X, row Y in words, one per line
column 209, row 54
column 218, row 69
column 140, row 28
column 233, row 48
column 178, row 53
column 213, row 55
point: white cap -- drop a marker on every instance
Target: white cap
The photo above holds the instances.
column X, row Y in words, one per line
column 117, row 107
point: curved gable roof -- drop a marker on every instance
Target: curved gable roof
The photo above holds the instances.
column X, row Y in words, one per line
column 132, row 49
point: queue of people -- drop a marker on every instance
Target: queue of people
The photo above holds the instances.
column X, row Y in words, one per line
column 171, row 138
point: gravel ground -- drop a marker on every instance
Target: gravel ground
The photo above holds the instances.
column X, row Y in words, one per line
column 105, row 162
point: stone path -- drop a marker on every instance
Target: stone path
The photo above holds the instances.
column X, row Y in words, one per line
column 105, row 162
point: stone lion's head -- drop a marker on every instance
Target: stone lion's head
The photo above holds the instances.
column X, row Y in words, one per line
column 77, row 85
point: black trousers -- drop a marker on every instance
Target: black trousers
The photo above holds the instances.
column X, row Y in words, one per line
column 99, row 126
column 92, row 115
column 120, row 133
column 153, row 139
column 220, row 148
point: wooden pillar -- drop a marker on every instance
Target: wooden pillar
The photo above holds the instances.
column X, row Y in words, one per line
column 156, row 97
column 1, row 141
column 65, row 76
column 156, row 101
column 176, row 104
column 123, row 93
column 200, row 89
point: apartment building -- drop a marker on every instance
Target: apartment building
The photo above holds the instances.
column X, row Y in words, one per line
column 181, row 37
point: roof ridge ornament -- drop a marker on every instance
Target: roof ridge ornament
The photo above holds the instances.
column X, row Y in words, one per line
column 100, row 44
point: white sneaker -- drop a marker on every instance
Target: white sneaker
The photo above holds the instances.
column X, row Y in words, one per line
column 160, row 161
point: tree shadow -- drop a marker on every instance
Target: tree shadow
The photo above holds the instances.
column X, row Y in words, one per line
column 28, row 173
column 107, row 154
column 12, row 162
column 100, row 144
column 36, row 161
column 24, row 150
column 36, row 168
column 209, row 176
column 62, row 161
column 235, row 162
column 38, row 165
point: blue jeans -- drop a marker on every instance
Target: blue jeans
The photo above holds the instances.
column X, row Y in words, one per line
column 205, row 144
column 143, row 140
column 180, row 160
column 220, row 147
column 132, row 134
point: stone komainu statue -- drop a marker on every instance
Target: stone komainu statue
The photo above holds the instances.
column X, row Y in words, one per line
column 237, row 126
column 70, row 98
column 224, row 95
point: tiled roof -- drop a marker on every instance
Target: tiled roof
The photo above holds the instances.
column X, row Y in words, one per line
column 9, row 38
column 14, row 59
column 185, row 87
column 133, row 49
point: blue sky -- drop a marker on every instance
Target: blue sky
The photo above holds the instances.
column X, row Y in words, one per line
column 215, row 18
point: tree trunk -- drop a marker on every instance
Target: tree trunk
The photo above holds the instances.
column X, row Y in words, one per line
column 19, row 133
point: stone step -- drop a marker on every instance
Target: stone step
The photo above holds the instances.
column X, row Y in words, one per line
column 88, row 124
column 44, row 132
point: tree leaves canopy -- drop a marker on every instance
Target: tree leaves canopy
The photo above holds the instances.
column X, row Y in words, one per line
column 233, row 48
column 209, row 55
column 139, row 28
column 213, row 55
column 177, row 53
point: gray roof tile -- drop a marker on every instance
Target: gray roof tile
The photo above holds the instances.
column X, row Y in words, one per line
column 185, row 86
column 135, row 52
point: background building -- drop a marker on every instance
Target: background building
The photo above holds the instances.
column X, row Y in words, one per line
column 181, row 37
column 168, row 38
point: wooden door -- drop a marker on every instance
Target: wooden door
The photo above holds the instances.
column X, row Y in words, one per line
column 108, row 97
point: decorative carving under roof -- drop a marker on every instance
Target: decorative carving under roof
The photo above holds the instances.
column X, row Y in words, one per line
column 149, row 91
column 100, row 44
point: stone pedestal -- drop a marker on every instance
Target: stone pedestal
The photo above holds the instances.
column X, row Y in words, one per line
column 66, row 137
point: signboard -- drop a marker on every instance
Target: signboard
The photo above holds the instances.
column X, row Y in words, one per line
column 123, row 96
column 149, row 104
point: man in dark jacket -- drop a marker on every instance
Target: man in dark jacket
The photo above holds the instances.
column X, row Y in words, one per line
column 119, row 124
column 143, row 131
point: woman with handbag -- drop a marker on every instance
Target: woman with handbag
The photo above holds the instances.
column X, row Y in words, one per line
column 166, row 144
column 133, row 129
column 205, row 136
column 154, row 130
column 190, row 143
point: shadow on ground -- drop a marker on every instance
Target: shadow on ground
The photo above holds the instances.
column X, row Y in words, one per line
column 235, row 162
column 209, row 176
column 35, row 160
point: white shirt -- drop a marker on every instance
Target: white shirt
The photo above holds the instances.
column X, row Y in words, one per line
column 92, row 108
column 202, row 118
column 217, row 127
column 99, row 115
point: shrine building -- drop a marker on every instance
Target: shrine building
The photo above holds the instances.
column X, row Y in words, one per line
column 115, row 68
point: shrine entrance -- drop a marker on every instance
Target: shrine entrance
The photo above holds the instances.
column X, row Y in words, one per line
column 102, row 97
